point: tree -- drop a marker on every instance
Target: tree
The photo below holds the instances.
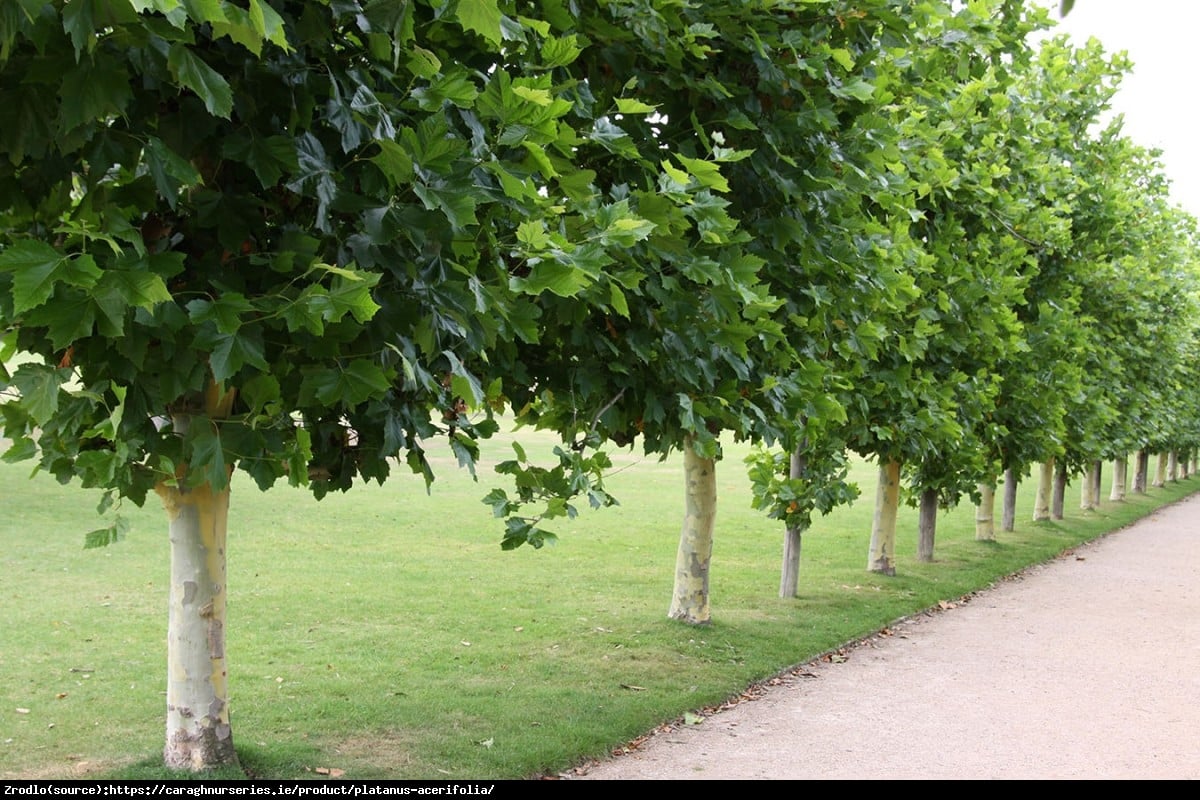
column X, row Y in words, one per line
column 925, row 402
column 292, row 238
column 769, row 97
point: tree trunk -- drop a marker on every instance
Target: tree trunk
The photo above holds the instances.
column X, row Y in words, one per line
column 1140, row 472
column 789, row 578
column 1060, row 492
column 1087, row 491
column 690, row 600
column 882, row 555
column 1041, row 506
column 1010, row 499
column 927, row 527
column 1120, row 478
column 985, row 523
column 1097, row 475
column 1160, row 475
column 198, row 732
column 1173, row 466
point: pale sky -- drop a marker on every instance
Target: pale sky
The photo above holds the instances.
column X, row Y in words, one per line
column 1159, row 98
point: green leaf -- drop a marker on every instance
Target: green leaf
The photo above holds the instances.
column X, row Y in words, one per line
column 103, row 537
column 541, row 97
column 562, row 279
column 135, row 288
column 230, row 352
column 462, row 382
column 35, row 275
column 39, row 386
column 193, row 73
column 21, row 449
column 559, row 52
column 270, row 157
column 206, row 463
column 705, row 172
column 70, row 316
column 171, row 172
column 358, row 382
column 94, row 90
column 617, row 300
column 268, row 23
column 457, row 204
column 35, row 266
column 857, row 89
column 395, row 162
column 424, row 63
column 627, row 231
column 627, row 105
column 353, row 296
column 481, row 16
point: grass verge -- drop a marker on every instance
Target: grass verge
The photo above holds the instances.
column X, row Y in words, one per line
column 383, row 633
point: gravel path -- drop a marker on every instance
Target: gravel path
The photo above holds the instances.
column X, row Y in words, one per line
column 1086, row 667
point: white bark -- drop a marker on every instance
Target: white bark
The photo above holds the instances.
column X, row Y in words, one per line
column 694, row 557
column 882, row 555
column 1087, row 491
column 198, row 730
column 1045, row 491
column 1120, row 478
column 1160, row 475
column 1009, row 520
column 985, row 514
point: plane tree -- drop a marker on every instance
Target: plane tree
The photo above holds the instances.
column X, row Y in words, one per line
column 924, row 406
column 773, row 110
column 281, row 237
column 1071, row 87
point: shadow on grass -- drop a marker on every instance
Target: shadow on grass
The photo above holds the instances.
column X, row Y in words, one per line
column 296, row 760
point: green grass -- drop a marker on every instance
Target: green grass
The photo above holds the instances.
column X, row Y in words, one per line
column 384, row 633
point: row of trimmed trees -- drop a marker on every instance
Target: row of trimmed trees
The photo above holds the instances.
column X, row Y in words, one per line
column 303, row 239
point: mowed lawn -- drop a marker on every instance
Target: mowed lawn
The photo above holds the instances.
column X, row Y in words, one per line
column 383, row 632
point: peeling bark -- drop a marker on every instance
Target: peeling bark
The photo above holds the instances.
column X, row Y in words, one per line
column 882, row 555
column 198, row 734
column 985, row 511
column 1045, row 491
column 789, row 576
column 927, row 525
column 198, row 731
column 693, row 559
